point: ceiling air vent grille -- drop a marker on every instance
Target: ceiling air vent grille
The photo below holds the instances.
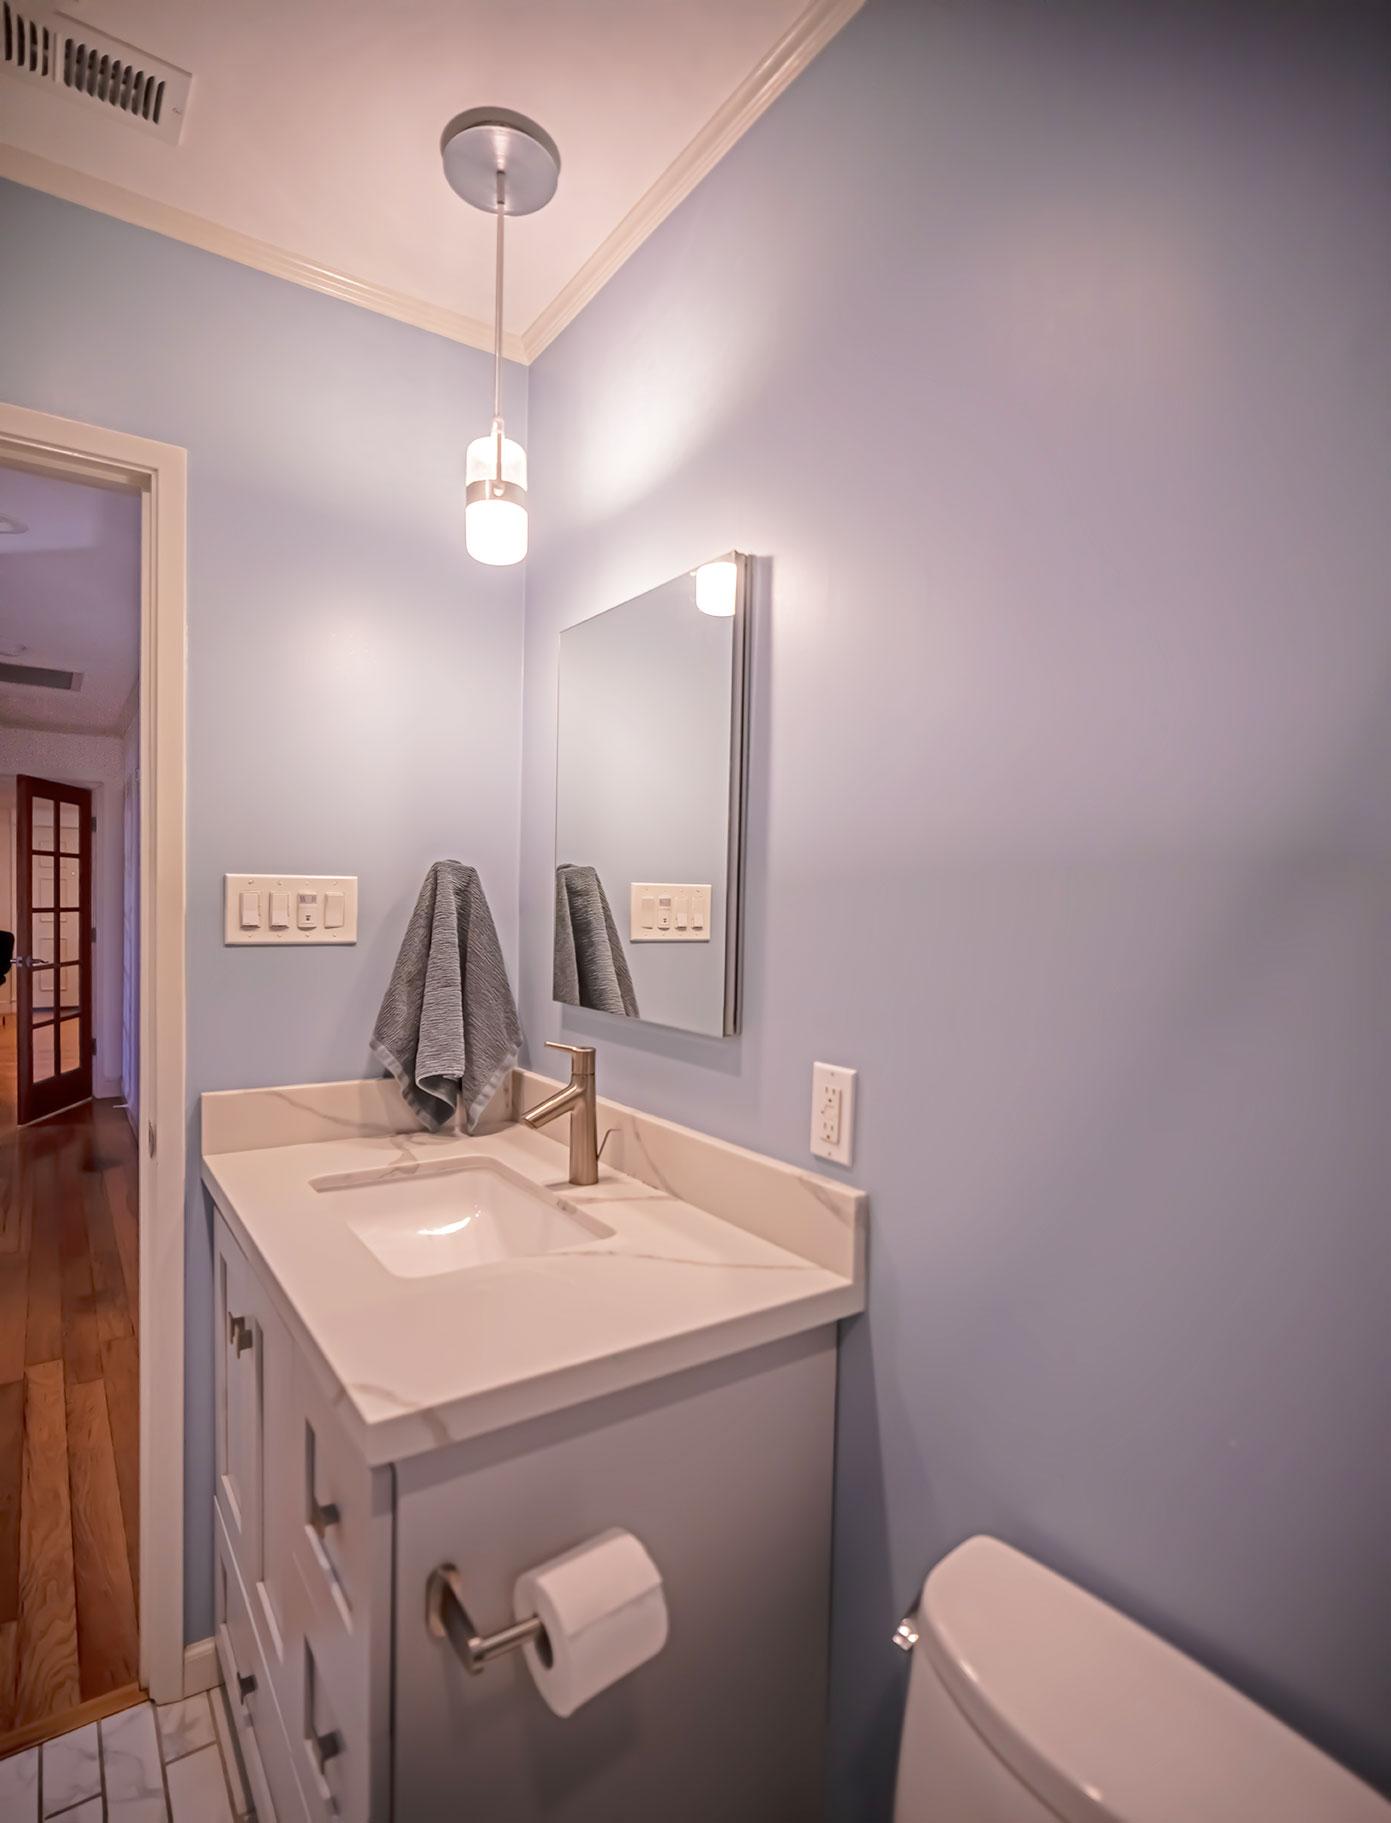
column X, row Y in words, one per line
column 28, row 43
column 40, row 677
column 100, row 71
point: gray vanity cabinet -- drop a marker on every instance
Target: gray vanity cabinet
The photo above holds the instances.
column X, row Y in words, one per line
column 348, row 1708
column 724, row 1472
column 303, row 1596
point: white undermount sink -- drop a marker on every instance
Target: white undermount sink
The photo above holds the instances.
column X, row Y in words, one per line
column 452, row 1214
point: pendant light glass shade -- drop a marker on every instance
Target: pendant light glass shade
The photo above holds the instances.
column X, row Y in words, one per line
column 495, row 517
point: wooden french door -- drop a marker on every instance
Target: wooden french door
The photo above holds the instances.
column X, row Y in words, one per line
column 53, row 946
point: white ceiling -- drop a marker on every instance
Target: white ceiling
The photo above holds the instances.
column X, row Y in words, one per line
column 70, row 595
column 315, row 127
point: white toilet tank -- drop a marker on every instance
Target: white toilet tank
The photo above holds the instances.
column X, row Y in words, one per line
column 1030, row 1700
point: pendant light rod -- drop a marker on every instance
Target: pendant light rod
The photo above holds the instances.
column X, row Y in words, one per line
column 497, row 295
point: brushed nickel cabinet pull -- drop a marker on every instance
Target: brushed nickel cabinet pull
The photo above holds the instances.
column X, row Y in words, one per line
column 323, row 1515
column 325, row 1747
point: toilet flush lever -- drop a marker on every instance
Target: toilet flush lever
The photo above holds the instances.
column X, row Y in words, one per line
column 448, row 1618
column 906, row 1633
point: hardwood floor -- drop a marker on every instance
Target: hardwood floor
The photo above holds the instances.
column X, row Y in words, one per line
column 69, row 1410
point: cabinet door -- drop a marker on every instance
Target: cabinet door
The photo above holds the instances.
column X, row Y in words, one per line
column 261, row 1733
column 282, row 1478
column 238, row 1391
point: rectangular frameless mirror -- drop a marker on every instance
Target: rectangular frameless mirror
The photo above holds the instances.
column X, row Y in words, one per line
column 649, row 803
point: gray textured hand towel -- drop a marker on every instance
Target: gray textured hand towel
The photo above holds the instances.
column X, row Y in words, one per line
column 448, row 1030
column 590, row 968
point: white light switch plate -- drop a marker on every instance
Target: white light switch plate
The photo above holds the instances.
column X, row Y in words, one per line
column 832, row 1112
column 664, row 912
column 292, row 909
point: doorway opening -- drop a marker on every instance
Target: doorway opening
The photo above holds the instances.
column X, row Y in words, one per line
column 121, row 1147
column 70, row 644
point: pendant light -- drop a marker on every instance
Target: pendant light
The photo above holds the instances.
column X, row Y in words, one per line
column 505, row 164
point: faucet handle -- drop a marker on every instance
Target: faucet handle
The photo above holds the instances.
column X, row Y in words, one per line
column 581, row 1056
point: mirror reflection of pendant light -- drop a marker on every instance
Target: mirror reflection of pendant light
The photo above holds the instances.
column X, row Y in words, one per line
column 505, row 164
column 717, row 587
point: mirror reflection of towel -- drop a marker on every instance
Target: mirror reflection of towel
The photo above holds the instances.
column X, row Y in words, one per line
column 590, row 967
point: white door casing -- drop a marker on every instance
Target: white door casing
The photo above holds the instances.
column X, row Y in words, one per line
column 158, row 473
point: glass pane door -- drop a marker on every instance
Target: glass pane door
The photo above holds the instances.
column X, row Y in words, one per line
column 53, row 958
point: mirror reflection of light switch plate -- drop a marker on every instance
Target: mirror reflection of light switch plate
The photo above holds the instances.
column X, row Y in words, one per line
column 667, row 912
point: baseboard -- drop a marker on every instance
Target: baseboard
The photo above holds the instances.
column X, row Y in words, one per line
column 201, row 1671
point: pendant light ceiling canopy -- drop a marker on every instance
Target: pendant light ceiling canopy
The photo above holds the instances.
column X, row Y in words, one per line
column 504, row 164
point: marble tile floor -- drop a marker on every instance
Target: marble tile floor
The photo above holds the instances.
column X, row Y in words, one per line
column 176, row 1763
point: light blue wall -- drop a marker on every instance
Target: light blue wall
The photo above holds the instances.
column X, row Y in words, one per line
column 1043, row 352
column 354, row 680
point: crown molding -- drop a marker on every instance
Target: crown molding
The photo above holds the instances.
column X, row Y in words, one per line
column 73, row 186
column 804, row 39
column 81, row 731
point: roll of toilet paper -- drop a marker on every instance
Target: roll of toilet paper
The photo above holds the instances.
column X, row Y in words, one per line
column 604, row 1613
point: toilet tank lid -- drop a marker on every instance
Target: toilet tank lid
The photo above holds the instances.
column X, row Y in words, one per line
column 1105, row 1722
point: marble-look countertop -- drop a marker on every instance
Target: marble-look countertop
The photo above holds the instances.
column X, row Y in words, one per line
column 417, row 1363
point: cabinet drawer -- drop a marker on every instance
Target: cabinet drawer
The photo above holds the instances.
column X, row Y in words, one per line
column 337, row 1758
column 261, row 1732
column 342, row 1508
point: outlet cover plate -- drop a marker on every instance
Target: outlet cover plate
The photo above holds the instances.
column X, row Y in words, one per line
column 833, row 1112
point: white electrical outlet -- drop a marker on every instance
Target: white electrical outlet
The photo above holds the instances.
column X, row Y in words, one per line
column 832, row 1112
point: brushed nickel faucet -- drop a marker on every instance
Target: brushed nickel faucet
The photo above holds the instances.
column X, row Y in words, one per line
column 577, row 1100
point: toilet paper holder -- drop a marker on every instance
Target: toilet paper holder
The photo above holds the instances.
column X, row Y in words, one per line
column 447, row 1617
